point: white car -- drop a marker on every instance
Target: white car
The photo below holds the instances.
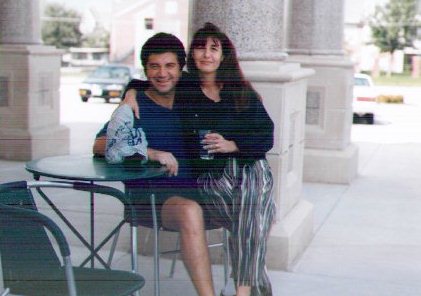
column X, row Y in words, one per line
column 364, row 101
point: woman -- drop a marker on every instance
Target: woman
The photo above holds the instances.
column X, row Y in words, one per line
column 238, row 182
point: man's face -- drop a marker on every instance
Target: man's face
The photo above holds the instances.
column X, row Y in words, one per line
column 163, row 72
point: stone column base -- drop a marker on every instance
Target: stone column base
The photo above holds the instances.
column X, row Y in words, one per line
column 290, row 237
column 329, row 157
column 30, row 102
column 331, row 166
column 26, row 145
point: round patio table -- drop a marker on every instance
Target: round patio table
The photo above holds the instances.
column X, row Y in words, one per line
column 90, row 168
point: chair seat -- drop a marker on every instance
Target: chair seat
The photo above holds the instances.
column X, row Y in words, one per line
column 89, row 282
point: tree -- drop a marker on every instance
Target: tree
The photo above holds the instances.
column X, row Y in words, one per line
column 98, row 38
column 394, row 26
column 61, row 26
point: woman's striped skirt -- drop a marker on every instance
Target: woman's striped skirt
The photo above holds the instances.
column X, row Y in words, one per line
column 242, row 201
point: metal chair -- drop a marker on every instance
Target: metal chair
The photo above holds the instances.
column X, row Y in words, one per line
column 157, row 228
column 29, row 262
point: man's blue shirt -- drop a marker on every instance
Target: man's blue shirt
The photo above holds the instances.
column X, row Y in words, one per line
column 163, row 131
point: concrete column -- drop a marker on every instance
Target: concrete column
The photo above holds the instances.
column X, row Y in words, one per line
column 257, row 30
column 315, row 41
column 17, row 25
column 29, row 86
column 250, row 25
column 316, row 27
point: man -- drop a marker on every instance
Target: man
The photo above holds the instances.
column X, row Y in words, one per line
column 163, row 58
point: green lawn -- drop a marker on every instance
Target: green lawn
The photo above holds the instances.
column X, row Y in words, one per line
column 397, row 79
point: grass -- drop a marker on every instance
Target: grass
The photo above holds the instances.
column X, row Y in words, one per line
column 397, row 79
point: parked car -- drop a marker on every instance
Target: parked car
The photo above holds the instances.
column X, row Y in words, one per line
column 364, row 100
column 107, row 81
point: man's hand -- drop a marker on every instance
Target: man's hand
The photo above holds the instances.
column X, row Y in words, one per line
column 130, row 99
column 216, row 143
column 164, row 158
column 99, row 146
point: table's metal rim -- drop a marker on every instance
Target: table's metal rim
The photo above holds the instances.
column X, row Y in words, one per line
column 159, row 171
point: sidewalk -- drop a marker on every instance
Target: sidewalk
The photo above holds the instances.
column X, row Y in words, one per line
column 367, row 235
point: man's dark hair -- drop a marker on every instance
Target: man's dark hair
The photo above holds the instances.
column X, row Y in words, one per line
column 162, row 43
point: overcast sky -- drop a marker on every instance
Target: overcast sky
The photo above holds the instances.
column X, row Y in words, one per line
column 81, row 5
column 357, row 9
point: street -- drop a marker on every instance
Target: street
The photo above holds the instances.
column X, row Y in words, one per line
column 72, row 107
column 394, row 123
column 83, row 119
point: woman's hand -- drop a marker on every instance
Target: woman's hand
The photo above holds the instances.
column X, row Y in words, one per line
column 130, row 99
column 216, row 143
column 164, row 158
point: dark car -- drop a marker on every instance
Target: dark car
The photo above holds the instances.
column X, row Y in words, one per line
column 107, row 81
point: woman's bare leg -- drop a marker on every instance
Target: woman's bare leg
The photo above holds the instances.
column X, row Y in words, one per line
column 186, row 216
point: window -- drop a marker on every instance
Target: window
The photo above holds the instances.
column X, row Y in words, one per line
column 361, row 81
column 4, row 91
column 97, row 56
column 44, row 89
column 149, row 23
column 80, row 55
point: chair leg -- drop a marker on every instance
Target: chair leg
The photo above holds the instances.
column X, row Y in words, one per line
column 112, row 250
column 133, row 234
column 135, row 268
column 156, row 246
column 71, row 285
column 174, row 258
column 229, row 288
column 226, row 251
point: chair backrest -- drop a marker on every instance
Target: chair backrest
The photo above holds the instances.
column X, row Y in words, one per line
column 26, row 251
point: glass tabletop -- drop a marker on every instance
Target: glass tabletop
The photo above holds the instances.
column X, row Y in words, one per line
column 91, row 168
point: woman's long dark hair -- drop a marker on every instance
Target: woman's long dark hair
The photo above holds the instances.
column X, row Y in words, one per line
column 229, row 73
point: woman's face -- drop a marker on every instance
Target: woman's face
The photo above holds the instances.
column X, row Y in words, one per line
column 208, row 57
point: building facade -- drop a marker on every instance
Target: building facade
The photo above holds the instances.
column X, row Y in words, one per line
column 366, row 56
column 134, row 21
